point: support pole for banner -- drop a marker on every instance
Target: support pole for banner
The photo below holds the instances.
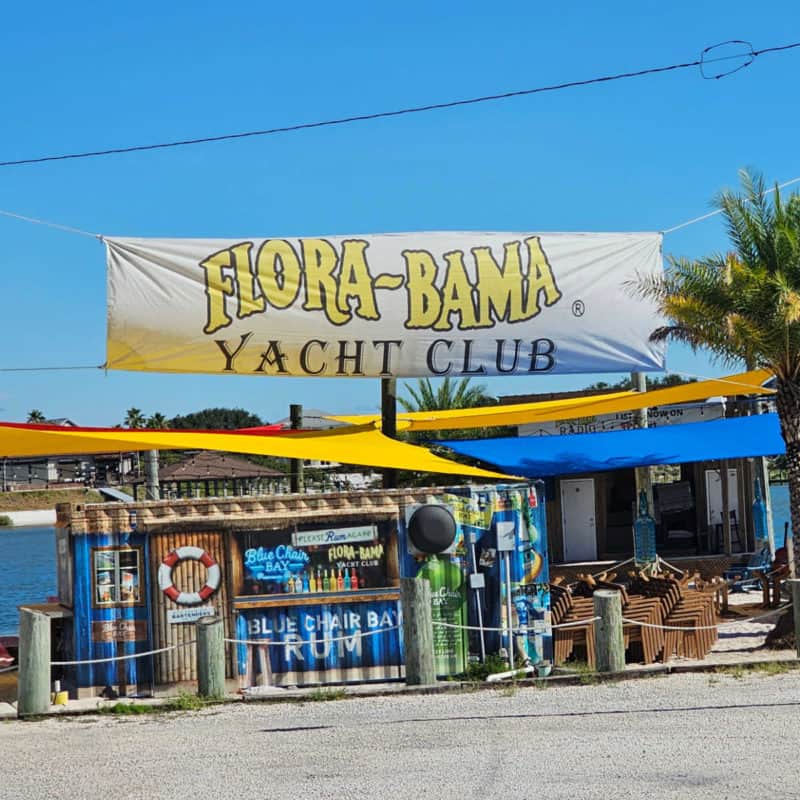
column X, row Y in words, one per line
column 643, row 478
column 152, row 490
column 296, row 478
column 415, row 600
column 210, row 657
column 389, row 423
column 726, row 507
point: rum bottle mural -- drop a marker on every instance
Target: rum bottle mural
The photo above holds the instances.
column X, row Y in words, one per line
column 449, row 606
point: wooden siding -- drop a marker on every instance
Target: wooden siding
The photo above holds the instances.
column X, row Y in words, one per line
column 179, row 665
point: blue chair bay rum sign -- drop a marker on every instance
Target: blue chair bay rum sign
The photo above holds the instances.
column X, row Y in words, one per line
column 412, row 304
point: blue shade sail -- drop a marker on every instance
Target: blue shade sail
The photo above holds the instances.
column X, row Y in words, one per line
column 544, row 456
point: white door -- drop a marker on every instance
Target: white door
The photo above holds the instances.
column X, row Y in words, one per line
column 714, row 495
column 577, row 519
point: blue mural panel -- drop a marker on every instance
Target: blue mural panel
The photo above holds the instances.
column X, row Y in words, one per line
column 322, row 643
column 111, row 609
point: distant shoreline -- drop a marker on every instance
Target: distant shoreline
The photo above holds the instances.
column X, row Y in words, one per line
column 30, row 519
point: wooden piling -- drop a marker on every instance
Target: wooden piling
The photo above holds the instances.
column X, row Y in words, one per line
column 211, row 657
column 33, row 689
column 608, row 641
column 415, row 597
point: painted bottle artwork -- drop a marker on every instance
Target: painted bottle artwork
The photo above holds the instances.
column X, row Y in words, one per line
column 449, row 605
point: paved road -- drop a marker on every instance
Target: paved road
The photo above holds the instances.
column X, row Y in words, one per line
column 677, row 737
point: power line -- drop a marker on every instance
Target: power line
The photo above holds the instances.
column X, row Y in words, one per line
column 51, row 369
column 749, row 55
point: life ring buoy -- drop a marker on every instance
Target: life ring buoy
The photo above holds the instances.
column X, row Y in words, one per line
column 193, row 554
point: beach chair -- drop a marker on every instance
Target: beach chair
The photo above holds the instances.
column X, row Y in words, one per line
column 747, row 575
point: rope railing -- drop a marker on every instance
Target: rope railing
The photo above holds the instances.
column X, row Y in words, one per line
column 126, row 657
column 705, row 627
column 519, row 630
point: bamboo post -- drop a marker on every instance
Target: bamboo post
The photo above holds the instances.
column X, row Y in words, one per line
column 415, row 598
column 296, row 477
column 210, row 657
column 608, row 642
column 33, row 689
column 794, row 587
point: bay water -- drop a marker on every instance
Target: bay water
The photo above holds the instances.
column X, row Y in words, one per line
column 28, row 558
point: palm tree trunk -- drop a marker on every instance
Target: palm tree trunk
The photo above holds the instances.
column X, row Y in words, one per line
column 788, row 402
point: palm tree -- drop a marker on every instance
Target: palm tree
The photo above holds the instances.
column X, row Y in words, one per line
column 35, row 416
column 744, row 307
column 134, row 418
column 157, row 421
column 451, row 394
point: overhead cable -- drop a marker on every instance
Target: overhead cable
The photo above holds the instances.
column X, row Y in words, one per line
column 745, row 58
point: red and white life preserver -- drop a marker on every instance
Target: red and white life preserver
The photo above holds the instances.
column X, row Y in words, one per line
column 194, row 554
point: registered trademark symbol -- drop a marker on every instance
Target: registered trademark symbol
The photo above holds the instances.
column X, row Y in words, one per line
column 578, row 308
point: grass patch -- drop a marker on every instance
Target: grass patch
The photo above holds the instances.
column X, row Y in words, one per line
column 586, row 674
column 739, row 671
column 5, row 521
column 37, row 499
column 185, row 701
column 127, row 709
column 477, row 671
column 324, row 695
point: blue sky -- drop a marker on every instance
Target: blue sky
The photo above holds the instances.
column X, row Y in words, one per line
column 642, row 154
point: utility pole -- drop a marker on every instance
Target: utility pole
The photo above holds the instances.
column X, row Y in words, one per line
column 389, row 423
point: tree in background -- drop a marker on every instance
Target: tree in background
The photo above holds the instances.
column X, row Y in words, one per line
column 651, row 384
column 134, row 418
column 216, row 419
column 35, row 416
column 744, row 307
column 450, row 394
column 157, row 421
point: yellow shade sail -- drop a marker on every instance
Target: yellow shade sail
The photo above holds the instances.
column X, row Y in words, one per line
column 573, row 407
column 362, row 445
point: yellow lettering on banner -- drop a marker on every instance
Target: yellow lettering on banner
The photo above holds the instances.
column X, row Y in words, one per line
column 218, row 287
column 540, row 279
column 500, row 289
column 249, row 302
column 424, row 300
column 355, row 282
column 456, row 295
column 278, row 270
column 319, row 261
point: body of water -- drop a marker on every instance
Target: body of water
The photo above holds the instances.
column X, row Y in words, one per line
column 29, row 562
column 29, row 571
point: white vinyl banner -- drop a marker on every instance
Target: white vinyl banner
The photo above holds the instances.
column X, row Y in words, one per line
column 406, row 304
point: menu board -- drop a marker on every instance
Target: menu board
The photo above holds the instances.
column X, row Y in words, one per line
column 116, row 576
column 309, row 559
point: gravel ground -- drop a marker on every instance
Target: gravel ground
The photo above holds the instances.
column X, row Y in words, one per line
column 693, row 735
